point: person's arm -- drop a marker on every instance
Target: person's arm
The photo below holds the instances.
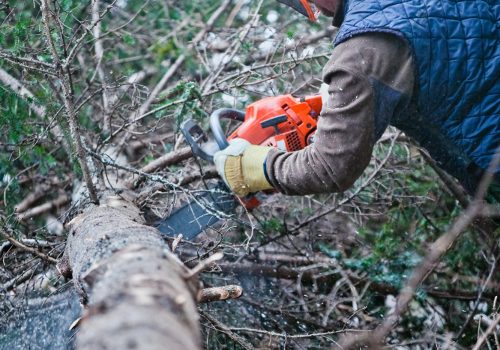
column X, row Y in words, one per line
column 370, row 77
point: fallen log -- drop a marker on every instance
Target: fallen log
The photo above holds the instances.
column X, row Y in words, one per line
column 135, row 289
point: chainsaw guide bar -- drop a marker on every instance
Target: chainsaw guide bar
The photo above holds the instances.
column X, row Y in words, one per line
column 198, row 214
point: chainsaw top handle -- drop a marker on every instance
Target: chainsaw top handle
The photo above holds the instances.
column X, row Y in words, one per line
column 216, row 128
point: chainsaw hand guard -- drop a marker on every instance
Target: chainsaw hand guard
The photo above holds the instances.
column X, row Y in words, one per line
column 195, row 136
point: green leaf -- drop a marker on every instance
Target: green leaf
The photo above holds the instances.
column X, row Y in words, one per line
column 129, row 39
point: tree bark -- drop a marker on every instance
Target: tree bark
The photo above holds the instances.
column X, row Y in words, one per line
column 133, row 285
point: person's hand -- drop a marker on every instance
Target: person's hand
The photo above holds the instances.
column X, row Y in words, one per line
column 241, row 166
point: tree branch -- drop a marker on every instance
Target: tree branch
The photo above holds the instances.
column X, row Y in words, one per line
column 68, row 103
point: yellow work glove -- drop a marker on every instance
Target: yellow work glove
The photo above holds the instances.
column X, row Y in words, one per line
column 241, row 166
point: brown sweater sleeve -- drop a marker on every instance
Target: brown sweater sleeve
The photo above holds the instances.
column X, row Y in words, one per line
column 347, row 125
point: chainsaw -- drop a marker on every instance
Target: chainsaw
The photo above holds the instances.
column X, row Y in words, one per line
column 285, row 122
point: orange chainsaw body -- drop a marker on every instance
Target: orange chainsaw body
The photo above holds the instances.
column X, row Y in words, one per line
column 285, row 122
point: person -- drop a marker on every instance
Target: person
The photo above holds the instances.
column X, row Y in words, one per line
column 431, row 68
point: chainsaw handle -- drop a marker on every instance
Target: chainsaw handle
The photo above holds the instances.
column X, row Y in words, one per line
column 216, row 128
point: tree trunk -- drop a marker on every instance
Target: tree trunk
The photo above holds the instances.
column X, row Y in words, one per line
column 133, row 285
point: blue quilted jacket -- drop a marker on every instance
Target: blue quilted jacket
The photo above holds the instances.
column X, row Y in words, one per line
column 455, row 114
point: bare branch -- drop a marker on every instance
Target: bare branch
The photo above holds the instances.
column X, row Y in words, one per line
column 12, row 83
column 43, row 208
column 162, row 162
column 68, row 103
column 7, row 232
column 99, row 53
column 486, row 334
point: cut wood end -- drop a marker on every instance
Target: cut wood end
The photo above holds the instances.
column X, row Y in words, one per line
column 220, row 293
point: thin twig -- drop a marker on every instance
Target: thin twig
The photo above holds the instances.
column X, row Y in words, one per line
column 72, row 53
column 478, row 300
column 17, row 280
column 160, row 163
column 224, row 62
column 295, row 336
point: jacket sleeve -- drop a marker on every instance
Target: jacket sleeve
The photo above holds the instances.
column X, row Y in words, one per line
column 369, row 77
